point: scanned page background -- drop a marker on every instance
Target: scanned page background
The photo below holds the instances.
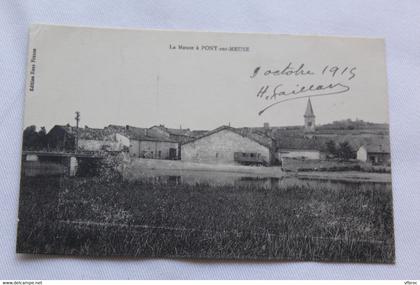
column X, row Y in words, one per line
column 395, row 21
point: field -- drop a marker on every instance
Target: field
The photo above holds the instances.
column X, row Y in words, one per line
column 250, row 218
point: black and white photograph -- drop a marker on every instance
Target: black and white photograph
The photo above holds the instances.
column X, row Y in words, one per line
column 205, row 145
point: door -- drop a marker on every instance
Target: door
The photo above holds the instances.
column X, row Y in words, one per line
column 172, row 153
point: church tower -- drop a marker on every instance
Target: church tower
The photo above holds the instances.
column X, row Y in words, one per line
column 309, row 117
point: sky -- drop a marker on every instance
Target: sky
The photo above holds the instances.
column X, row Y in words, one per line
column 145, row 78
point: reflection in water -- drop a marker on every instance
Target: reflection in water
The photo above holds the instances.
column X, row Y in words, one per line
column 213, row 178
column 217, row 178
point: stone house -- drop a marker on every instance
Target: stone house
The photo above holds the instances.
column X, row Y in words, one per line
column 227, row 145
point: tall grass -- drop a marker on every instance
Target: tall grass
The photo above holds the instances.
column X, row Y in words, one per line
column 304, row 220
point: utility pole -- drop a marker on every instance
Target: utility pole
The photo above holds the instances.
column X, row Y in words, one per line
column 77, row 118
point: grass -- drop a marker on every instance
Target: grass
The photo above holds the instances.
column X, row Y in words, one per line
column 298, row 220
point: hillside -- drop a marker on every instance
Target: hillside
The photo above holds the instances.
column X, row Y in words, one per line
column 356, row 133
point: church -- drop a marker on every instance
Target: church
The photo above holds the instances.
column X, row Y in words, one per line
column 309, row 118
column 301, row 147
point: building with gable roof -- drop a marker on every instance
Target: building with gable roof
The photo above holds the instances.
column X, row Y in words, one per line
column 63, row 138
column 147, row 143
column 180, row 135
column 374, row 153
column 227, row 145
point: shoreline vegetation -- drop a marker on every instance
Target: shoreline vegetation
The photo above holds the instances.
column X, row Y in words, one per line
column 173, row 209
column 292, row 219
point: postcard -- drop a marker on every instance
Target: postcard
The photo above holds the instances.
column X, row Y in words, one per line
column 205, row 145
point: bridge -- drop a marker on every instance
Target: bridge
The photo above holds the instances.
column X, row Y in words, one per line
column 62, row 154
column 55, row 162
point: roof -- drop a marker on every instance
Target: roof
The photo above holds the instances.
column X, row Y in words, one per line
column 92, row 134
column 309, row 111
column 174, row 132
column 256, row 135
column 84, row 133
column 131, row 132
column 300, row 143
column 135, row 133
column 197, row 133
column 67, row 128
column 377, row 148
column 244, row 132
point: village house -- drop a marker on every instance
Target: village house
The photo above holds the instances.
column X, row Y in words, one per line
column 300, row 153
column 147, row 143
column 302, row 145
column 65, row 138
column 376, row 154
column 61, row 138
column 179, row 135
column 227, row 145
column 90, row 139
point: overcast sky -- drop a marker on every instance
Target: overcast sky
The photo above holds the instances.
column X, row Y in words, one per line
column 133, row 77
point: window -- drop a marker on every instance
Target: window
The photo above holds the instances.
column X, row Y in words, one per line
column 217, row 154
column 252, row 154
column 159, row 153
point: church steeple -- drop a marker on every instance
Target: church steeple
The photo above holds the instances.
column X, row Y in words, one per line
column 309, row 117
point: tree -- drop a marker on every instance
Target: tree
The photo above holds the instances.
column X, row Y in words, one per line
column 30, row 138
column 42, row 137
column 345, row 151
column 33, row 140
column 331, row 148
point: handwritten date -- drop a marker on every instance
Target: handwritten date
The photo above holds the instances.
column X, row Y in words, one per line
column 337, row 78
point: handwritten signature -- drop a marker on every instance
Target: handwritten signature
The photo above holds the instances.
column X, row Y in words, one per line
column 337, row 76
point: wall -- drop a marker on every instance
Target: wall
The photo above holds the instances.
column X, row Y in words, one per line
column 97, row 145
column 90, row 145
column 379, row 158
column 122, row 140
column 362, row 154
column 150, row 149
column 220, row 148
column 134, row 148
column 157, row 149
column 309, row 154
